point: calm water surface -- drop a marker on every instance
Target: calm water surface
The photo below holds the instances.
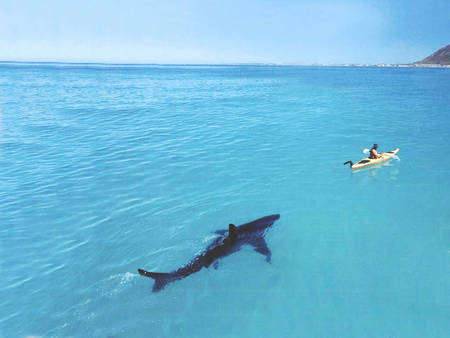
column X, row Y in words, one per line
column 104, row 169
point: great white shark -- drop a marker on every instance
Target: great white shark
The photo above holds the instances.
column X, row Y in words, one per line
column 228, row 242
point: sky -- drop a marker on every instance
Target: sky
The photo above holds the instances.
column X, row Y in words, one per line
column 227, row 31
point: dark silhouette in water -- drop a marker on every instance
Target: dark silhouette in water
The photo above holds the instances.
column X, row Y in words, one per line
column 349, row 162
column 250, row 233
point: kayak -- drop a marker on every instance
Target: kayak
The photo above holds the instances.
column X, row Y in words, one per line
column 370, row 161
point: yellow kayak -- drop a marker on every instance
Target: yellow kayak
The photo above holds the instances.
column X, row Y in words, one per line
column 370, row 161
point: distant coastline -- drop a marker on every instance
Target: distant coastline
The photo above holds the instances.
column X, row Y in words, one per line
column 106, row 64
column 439, row 59
column 387, row 65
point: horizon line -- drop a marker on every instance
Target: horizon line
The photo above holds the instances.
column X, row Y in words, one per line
column 274, row 64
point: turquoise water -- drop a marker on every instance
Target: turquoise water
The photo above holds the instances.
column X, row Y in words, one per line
column 106, row 169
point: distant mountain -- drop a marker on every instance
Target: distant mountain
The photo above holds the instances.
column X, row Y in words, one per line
column 441, row 57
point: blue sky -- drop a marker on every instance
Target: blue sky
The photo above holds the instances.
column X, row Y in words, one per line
column 210, row 31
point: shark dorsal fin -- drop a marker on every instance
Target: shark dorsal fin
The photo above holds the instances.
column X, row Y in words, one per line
column 232, row 230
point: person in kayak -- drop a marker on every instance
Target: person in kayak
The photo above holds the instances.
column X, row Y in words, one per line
column 373, row 152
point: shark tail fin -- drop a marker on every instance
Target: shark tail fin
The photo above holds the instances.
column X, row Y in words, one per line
column 161, row 279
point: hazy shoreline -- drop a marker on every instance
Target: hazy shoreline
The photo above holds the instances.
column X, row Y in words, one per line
column 389, row 65
column 379, row 65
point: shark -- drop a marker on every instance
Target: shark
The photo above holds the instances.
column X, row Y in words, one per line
column 228, row 242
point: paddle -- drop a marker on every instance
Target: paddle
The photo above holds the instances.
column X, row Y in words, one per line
column 367, row 152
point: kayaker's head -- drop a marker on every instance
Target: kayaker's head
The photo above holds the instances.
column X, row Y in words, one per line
column 375, row 146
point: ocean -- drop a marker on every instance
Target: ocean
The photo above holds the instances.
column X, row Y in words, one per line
column 105, row 169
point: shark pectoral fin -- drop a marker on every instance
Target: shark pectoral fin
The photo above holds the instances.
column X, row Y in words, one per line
column 216, row 264
column 260, row 246
column 161, row 279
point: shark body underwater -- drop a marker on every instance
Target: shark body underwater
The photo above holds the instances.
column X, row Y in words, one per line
column 250, row 233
